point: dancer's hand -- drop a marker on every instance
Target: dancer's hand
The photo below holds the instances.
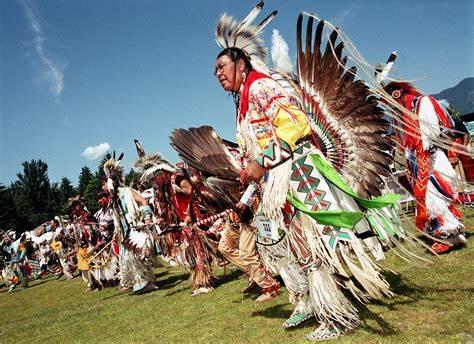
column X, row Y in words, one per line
column 240, row 209
column 234, row 217
column 253, row 173
column 241, row 206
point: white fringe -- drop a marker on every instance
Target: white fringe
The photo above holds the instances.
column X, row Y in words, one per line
column 374, row 246
column 134, row 272
column 270, row 255
column 328, row 302
column 275, row 191
column 366, row 272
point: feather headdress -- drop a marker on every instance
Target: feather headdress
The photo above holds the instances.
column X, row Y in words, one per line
column 382, row 71
column 75, row 200
column 113, row 170
column 245, row 36
column 148, row 165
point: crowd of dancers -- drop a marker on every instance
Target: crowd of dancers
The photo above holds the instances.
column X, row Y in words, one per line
column 306, row 193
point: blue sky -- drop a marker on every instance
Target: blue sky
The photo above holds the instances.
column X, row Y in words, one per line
column 75, row 74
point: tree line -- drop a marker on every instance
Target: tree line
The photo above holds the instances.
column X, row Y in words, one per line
column 33, row 199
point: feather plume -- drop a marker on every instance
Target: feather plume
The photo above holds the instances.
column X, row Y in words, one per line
column 281, row 59
column 202, row 149
column 113, row 170
column 149, row 165
column 245, row 35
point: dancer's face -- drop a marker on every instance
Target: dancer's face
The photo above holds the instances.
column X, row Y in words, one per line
column 229, row 73
column 103, row 202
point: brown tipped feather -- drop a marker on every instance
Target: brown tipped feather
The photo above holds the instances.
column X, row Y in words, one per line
column 352, row 123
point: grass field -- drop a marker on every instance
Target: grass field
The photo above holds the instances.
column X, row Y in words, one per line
column 433, row 305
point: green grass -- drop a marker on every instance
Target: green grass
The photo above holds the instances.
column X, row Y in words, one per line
column 432, row 305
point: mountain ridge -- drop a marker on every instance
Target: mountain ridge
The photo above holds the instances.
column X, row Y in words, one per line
column 460, row 96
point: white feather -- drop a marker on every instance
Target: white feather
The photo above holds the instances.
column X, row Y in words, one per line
column 281, row 59
column 251, row 16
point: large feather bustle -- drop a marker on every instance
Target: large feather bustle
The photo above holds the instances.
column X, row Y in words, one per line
column 244, row 35
column 202, row 149
column 347, row 119
column 113, row 170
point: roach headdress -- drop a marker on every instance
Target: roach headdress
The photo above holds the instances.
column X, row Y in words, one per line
column 245, row 35
column 149, row 165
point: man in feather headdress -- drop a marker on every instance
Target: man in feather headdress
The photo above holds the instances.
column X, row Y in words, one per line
column 103, row 258
column 297, row 157
column 134, row 231
column 65, row 248
column 433, row 180
column 178, row 204
column 84, row 235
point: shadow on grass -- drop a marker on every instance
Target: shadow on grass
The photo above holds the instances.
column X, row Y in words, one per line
column 385, row 329
column 177, row 291
column 415, row 292
column 171, row 281
column 160, row 274
column 32, row 285
column 230, row 276
column 118, row 294
column 273, row 312
column 175, row 280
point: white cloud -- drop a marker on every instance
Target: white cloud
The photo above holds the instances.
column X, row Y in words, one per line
column 281, row 59
column 48, row 69
column 96, row 152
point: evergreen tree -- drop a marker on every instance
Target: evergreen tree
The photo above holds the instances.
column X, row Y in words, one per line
column 9, row 218
column 54, row 200
column 132, row 178
column 66, row 191
column 32, row 195
column 84, row 178
column 91, row 184
column 92, row 190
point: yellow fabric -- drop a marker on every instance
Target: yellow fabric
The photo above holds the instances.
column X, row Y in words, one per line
column 82, row 260
column 276, row 116
column 273, row 124
column 291, row 124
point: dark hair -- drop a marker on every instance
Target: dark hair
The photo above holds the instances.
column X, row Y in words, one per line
column 56, row 222
column 236, row 54
column 102, row 194
column 180, row 177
